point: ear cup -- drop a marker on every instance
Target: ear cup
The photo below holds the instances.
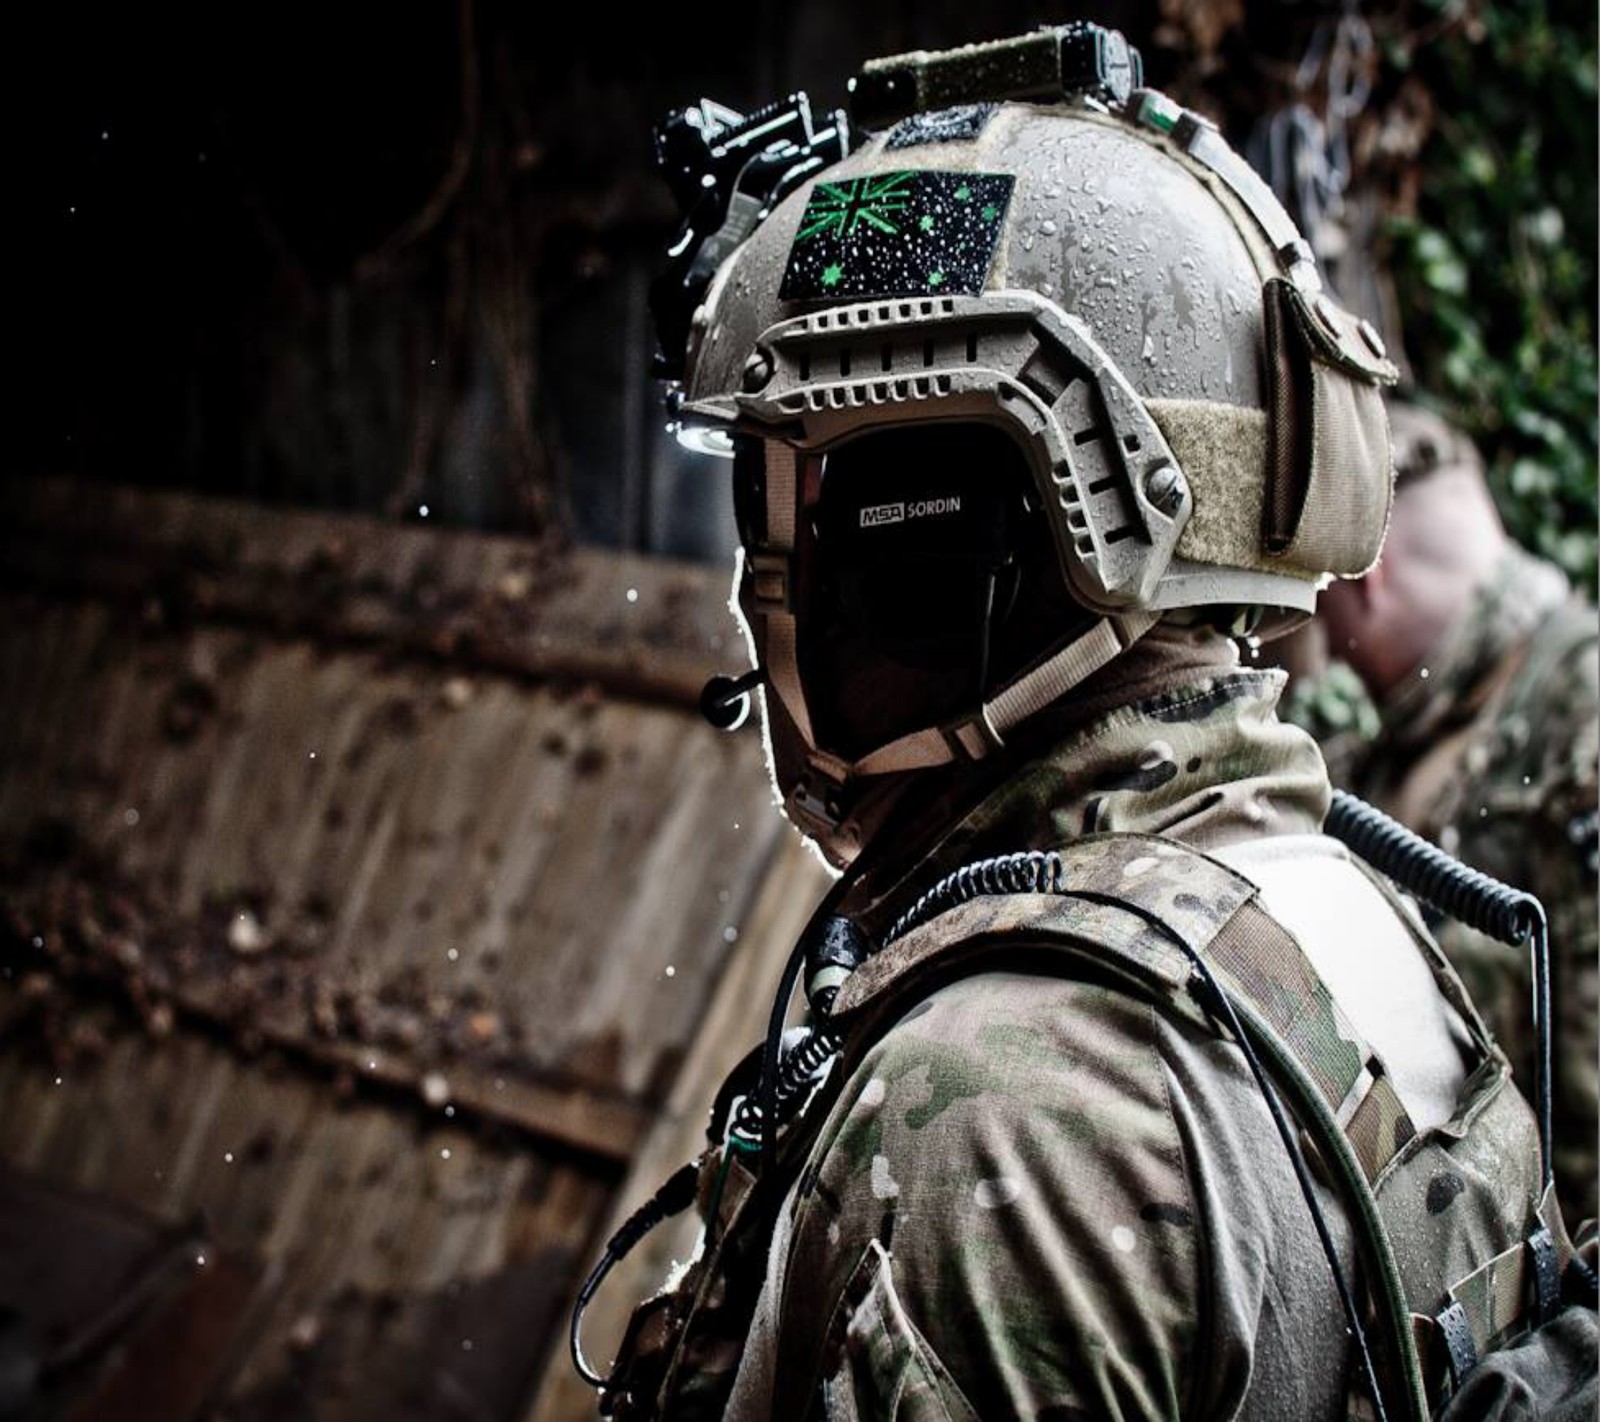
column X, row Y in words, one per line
column 915, row 540
column 913, row 567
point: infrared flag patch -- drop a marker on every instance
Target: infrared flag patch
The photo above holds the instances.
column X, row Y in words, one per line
column 912, row 233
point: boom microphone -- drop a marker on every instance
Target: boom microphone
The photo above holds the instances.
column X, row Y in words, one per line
column 725, row 701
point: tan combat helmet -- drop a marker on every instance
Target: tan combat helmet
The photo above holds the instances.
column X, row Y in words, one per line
column 1090, row 268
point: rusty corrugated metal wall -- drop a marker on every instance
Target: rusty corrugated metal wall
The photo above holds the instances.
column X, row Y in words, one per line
column 377, row 915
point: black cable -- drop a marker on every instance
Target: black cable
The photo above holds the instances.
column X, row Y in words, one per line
column 767, row 1088
column 793, row 1076
column 678, row 1193
column 1427, row 872
column 785, row 1077
column 1029, row 872
column 1417, row 866
column 672, row 1198
column 1286, row 1132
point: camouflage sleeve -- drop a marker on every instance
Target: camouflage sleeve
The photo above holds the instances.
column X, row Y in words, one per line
column 1000, row 1221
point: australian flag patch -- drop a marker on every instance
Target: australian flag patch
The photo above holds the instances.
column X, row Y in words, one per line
column 911, row 233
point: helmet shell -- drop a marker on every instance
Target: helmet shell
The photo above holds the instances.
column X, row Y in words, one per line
column 1108, row 224
column 1185, row 290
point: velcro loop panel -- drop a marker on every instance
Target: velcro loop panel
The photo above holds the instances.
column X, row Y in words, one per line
column 1222, row 450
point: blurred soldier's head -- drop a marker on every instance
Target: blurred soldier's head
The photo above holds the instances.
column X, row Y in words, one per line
column 1445, row 538
column 1007, row 387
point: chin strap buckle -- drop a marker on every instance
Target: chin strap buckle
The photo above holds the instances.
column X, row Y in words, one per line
column 771, row 581
column 975, row 737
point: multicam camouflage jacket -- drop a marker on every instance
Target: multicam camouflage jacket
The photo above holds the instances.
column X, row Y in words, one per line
column 1491, row 750
column 1043, row 1196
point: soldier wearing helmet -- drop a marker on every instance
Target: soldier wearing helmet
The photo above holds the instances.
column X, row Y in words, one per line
column 1126, row 1092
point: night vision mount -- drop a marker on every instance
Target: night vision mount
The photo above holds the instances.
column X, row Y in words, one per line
column 728, row 170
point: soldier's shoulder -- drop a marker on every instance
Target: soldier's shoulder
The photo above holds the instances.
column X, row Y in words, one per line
column 1010, row 1140
column 1037, row 1017
column 1032, row 1058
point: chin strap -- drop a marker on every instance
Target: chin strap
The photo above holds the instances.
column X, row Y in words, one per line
column 978, row 735
column 819, row 802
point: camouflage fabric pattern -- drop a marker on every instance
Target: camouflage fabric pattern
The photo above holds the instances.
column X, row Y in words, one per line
column 1026, row 1234
column 1050, row 1197
column 1492, row 754
column 1024, row 1160
column 1210, row 756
